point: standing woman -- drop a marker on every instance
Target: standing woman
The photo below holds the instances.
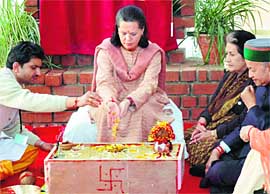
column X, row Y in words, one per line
column 225, row 110
column 129, row 76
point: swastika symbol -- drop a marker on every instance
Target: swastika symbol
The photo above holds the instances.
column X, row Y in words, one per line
column 111, row 183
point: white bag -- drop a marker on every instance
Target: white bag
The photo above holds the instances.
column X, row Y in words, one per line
column 80, row 128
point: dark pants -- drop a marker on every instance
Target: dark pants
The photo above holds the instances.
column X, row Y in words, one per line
column 224, row 172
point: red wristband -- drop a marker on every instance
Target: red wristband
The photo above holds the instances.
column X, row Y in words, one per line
column 220, row 150
column 75, row 103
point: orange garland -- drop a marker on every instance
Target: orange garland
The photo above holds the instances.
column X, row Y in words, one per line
column 161, row 132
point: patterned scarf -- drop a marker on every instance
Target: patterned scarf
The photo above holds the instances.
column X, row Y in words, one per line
column 227, row 98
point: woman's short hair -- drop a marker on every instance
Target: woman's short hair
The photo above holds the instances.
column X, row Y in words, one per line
column 238, row 38
column 130, row 13
column 23, row 52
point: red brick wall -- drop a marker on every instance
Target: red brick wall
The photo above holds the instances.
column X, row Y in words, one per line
column 190, row 88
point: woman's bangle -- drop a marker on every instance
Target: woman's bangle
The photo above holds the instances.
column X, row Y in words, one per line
column 220, row 150
column 202, row 124
column 112, row 99
column 130, row 101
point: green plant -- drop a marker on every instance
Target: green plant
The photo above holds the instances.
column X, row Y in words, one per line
column 17, row 25
column 176, row 6
column 216, row 18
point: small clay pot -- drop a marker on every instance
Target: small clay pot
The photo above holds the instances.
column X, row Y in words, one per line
column 66, row 146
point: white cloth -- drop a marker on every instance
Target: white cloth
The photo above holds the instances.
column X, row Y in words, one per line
column 252, row 176
column 80, row 129
column 177, row 124
column 15, row 150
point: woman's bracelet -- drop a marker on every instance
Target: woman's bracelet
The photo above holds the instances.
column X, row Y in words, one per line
column 220, row 150
column 202, row 124
column 131, row 101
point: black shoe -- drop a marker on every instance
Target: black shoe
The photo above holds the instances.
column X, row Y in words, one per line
column 204, row 183
column 261, row 191
column 197, row 170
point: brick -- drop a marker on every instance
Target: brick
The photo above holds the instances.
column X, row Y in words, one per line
column 203, row 101
column 70, row 77
column 84, row 60
column 176, row 56
column 196, row 113
column 30, row 117
column 216, row 75
column 202, row 75
column 188, row 101
column 187, row 10
column 188, row 2
column 183, row 22
column 41, row 79
column 188, row 75
column 31, row 10
column 177, row 88
column 185, row 114
column 176, row 100
column 62, row 117
column 53, row 78
column 179, row 33
column 68, row 60
column 199, row 89
column 86, row 77
column 172, row 76
column 31, row 3
column 87, row 88
column 189, row 123
column 39, row 89
column 56, row 59
column 68, row 90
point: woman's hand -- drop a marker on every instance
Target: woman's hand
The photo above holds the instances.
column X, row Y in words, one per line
column 123, row 106
column 199, row 132
column 113, row 113
column 202, row 135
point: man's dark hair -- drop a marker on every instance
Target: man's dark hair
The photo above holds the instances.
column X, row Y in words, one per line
column 130, row 14
column 23, row 52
